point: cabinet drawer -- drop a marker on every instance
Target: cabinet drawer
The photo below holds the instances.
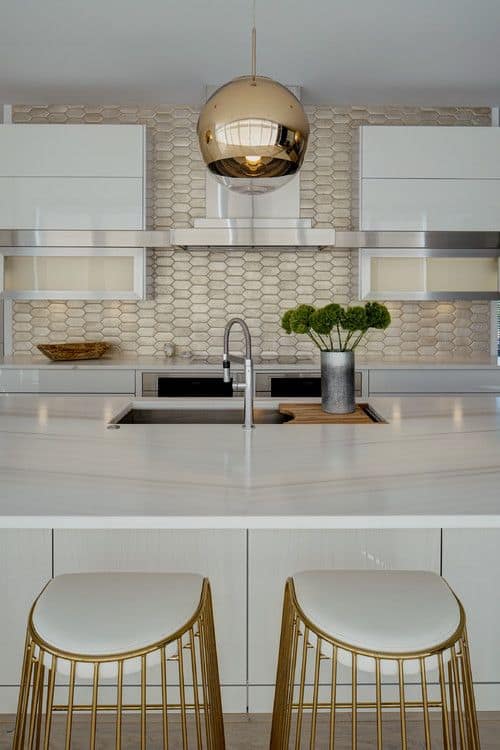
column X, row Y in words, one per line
column 434, row 381
column 66, row 380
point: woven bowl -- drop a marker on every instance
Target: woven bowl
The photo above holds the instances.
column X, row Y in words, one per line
column 68, row 352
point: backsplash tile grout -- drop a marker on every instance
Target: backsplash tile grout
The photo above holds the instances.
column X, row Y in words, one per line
column 194, row 292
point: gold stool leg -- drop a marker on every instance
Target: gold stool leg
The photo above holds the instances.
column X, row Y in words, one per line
column 24, row 691
column 470, row 702
column 212, row 670
column 287, row 659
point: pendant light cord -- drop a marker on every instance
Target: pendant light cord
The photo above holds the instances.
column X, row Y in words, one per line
column 254, row 45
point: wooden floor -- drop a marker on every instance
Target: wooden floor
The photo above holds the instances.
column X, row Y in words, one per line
column 252, row 733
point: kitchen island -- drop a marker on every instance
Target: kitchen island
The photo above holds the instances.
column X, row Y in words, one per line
column 248, row 509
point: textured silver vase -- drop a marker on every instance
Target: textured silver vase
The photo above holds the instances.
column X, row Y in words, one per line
column 337, row 382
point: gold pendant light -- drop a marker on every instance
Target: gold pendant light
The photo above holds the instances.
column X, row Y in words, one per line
column 253, row 132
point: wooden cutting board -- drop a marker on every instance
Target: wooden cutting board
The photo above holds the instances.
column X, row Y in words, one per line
column 313, row 414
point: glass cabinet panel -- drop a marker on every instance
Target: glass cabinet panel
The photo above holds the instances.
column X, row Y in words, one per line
column 405, row 275
column 116, row 273
column 464, row 274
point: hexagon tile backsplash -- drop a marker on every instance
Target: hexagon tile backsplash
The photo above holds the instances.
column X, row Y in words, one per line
column 195, row 292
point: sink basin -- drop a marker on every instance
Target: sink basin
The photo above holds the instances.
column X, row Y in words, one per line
column 199, row 416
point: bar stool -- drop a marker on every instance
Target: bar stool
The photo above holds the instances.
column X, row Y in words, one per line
column 400, row 627
column 95, row 629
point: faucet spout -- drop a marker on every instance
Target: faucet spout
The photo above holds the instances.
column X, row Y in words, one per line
column 248, row 386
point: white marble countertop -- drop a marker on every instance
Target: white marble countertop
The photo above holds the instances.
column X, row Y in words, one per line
column 435, row 464
column 479, row 361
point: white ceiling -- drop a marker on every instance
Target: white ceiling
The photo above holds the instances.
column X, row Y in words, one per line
column 165, row 51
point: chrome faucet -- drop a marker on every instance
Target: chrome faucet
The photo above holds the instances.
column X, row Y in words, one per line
column 248, row 386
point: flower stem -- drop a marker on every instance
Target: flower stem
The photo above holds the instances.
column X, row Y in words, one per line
column 340, row 337
column 313, row 338
column 359, row 339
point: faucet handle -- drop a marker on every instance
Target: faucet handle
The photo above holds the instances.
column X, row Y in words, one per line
column 226, row 365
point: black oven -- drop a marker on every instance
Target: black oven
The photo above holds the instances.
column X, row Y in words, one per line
column 209, row 384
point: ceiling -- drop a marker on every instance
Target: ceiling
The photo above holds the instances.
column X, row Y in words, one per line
column 165, row 51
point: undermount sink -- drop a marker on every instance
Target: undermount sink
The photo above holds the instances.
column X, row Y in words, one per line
column 199, row 416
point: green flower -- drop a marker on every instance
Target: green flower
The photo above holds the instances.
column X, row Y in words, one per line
column 377, row 315
column 323, row 319
column 286, row 322
column 300, row 318
column 354, row 319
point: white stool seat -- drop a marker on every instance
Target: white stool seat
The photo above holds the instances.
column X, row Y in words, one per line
column 114, row 613
column 379, row 611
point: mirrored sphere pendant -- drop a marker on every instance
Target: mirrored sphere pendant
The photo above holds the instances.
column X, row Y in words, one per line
column 253, row 134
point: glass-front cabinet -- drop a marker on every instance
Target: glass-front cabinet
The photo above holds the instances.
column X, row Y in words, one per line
column 408, row 275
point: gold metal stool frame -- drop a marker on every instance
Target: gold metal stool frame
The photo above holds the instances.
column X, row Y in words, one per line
column 455, row 704
column 196, row 659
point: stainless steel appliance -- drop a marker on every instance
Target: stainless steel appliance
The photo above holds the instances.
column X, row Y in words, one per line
column 284, row 377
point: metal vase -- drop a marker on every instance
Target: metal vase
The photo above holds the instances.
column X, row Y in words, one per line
column 337, row 382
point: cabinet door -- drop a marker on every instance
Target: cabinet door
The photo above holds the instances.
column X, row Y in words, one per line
column 218, row 554
column 57, row 150
column 428, row 204
column 67, row 380
column 430, row 152
column 71, row 203
column 471, row 565
column 276, row 555
column 408, row 275
column 25, row 568
column 67, row 273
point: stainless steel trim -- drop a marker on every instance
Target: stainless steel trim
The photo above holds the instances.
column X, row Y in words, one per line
column 262, row 236
column 429, row 296
column 84, row 238
column 442, row 240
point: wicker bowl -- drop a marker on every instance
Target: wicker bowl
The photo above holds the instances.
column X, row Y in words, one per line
column 69, row 351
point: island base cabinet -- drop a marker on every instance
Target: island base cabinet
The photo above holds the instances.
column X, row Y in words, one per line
column 218, row 554
column 471, row 565
column 274, row 556
column 25, row 568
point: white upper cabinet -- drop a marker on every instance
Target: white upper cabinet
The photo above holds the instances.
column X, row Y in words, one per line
column 71, row 203
column 456, row 153
column 72, row 151
column 430, row 178
column 430, row 204
column 72, row 177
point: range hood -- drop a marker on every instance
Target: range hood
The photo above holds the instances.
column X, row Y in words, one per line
column 240, row 220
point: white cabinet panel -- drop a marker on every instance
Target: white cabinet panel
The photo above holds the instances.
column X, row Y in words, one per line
column 66, row 380
column 25, row 568
column 434, row 381
column 430, row 204
column 71, row 203
column 72, row 150
column 218, row 554
column 430, row 152
column 276, row 555
column 471, row 565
